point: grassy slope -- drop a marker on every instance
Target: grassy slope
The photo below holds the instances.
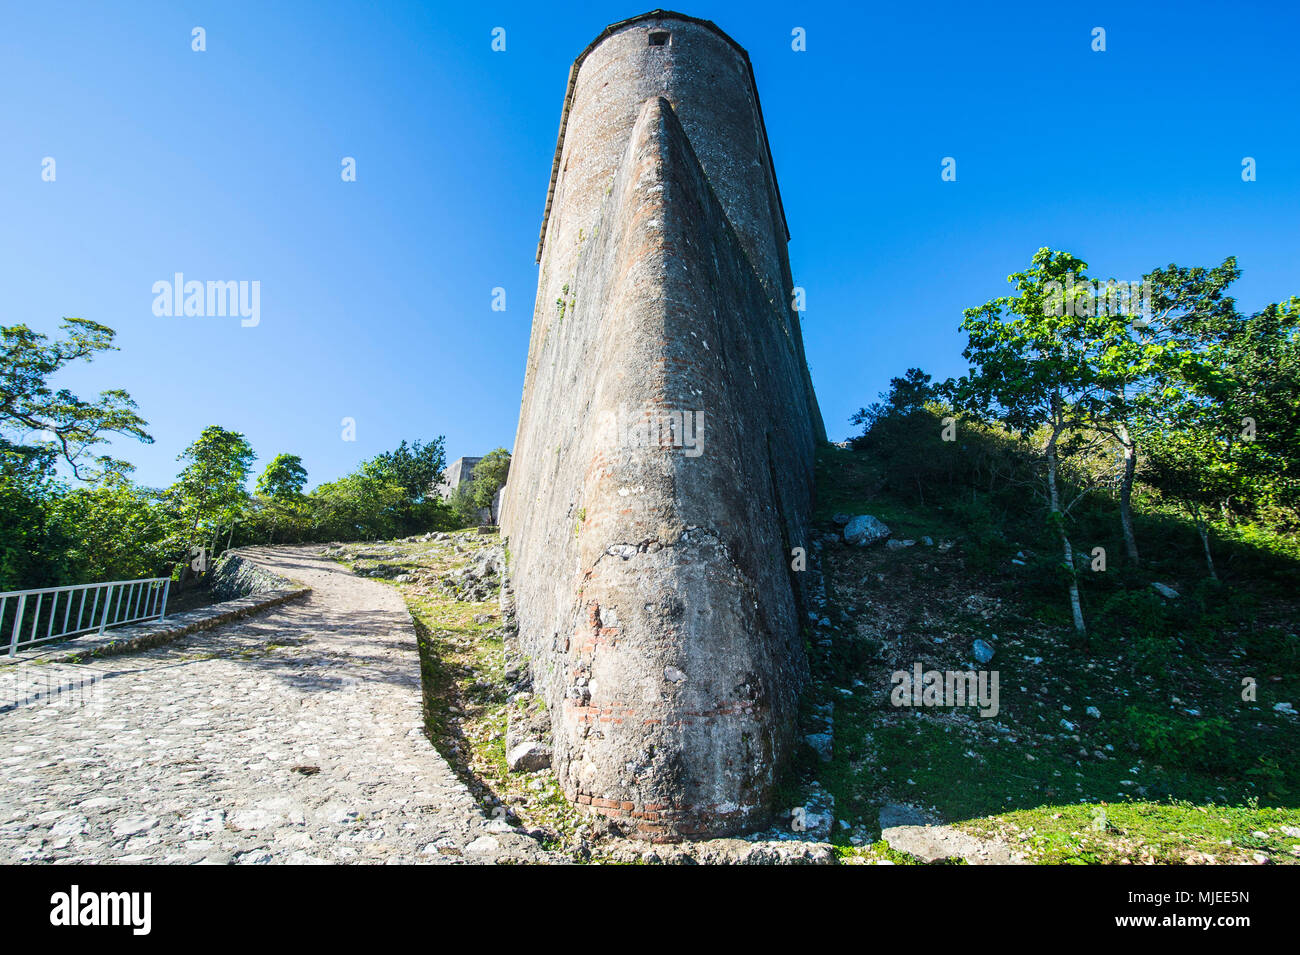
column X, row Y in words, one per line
column 1195, row 773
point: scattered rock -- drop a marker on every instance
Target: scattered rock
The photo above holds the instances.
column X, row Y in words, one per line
column 864, row 530
column 983, row 651
column 134, row 825
column 814, row 819
column 1164, row 590
column 529, row 757
column 823, row 744
column 483, row 845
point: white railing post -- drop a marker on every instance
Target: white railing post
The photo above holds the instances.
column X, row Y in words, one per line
column 108, row 602
column 167, row 586
column 18, row 622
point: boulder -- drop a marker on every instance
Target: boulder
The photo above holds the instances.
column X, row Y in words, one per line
column 864, row 530
column 529, row 757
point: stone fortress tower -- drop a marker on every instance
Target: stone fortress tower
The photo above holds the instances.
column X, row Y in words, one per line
column 663, row 466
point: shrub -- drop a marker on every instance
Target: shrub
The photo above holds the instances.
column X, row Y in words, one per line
column 1202, row 742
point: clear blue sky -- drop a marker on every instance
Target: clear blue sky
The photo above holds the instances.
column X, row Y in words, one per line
column 375, row 300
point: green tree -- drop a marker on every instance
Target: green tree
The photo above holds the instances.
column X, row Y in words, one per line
column 1225, row 438
column 1260, row 391
column 35, row 413
column 490, row 475
column 39, row 427
column 279, row 489
column 115, row 530
column 1033, row 369
column 1150, row 357
column 1193, row 466
column 415, row 469
column 210, row 492
column 33, row 548
column 907, row 396
column 358, row 507
column 902, row 431
column 283, row 479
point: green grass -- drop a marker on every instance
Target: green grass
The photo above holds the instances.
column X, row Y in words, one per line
column 1152, row 833
column 1179, row 760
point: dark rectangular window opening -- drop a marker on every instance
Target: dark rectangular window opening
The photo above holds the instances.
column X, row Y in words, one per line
column 658, row 38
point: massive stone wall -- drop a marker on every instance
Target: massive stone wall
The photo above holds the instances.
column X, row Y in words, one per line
column 663, row 464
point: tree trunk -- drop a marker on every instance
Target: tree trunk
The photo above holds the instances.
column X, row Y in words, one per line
column 1126, row 494
column 1205, row 543
column 1058, row 518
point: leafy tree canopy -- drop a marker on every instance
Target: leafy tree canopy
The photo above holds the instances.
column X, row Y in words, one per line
column 36, row 414
column 283, row 479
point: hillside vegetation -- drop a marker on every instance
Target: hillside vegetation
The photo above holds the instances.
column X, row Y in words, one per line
column 1130, row 742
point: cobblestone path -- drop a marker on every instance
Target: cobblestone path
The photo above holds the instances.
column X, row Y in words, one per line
column 294, row 736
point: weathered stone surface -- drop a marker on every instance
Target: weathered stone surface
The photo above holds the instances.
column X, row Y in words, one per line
column 294, row 737
column 235, row 576
column 663, row 464
column 943, row 843
column 729, row 852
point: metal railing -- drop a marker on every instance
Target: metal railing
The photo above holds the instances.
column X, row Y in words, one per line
column 66, row 612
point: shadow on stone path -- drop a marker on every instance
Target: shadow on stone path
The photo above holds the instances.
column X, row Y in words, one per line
column 294, row 736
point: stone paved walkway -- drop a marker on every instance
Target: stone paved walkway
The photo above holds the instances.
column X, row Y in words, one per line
column 294, row 736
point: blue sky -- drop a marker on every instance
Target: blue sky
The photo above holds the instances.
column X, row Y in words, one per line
column 376, row 294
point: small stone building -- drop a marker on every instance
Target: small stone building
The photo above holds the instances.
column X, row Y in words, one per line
column 461, row 471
